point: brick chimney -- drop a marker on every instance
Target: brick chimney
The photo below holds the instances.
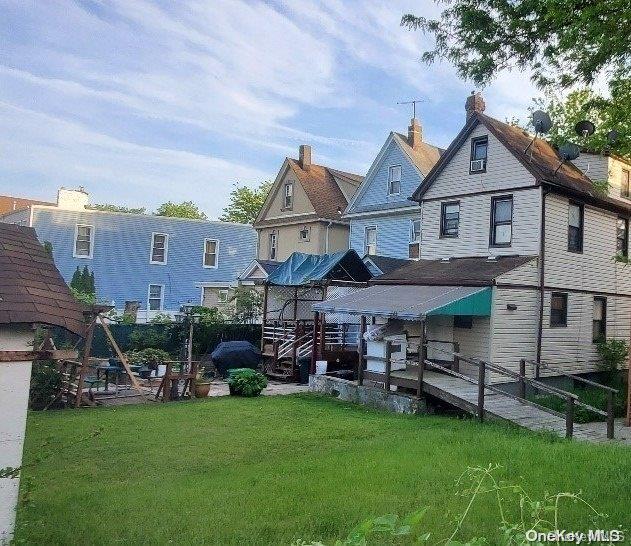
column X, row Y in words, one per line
column 475, row 104
column 415, row 134
column 304, row 155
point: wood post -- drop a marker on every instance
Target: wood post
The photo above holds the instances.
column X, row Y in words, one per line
column 121, row 356
column 422, row 356
column 386, row 384
column 522, row 378
column 314, row 343
column 361, row 349
column 294, row 347
column 481, row 382
column 569, row 417
column 322, row 334
column 85, row 361
column 456, row 357
column 610, row 415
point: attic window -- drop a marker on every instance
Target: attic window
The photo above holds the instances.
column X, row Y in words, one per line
column 479, row 151
column 304, row 234
column 288, row 196
column 394, row 180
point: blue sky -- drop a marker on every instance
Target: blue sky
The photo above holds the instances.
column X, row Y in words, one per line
column 143, row 102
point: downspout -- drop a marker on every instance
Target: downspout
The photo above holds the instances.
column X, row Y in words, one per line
column 326, row 240
column 542, row 255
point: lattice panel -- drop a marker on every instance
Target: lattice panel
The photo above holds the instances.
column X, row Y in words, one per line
column 341, row 318
column 280, row 302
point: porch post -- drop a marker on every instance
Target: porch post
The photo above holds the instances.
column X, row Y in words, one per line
column 456, row 357
column 481, row 381
column 361, row 350
column 264, row 317
column 322, row 334
column 314, row 342
column 422, row 356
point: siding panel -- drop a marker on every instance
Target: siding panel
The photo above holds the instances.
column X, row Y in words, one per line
column 393, row 233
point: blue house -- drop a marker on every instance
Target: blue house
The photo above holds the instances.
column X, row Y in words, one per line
column 158, row 262
column 383, row 221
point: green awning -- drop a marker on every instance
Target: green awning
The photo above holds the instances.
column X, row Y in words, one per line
column 412, row 302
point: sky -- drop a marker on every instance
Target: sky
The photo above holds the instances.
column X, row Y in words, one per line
column 143, row 101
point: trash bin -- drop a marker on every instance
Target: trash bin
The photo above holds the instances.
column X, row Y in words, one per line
column 304, row 362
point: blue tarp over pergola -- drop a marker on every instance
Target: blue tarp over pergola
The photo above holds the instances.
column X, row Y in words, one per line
column 303, row 269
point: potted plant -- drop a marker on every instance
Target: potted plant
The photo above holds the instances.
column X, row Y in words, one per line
column 202, row 384
column 246, row 382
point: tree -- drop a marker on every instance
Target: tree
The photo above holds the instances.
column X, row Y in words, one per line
column 48, row 247
column 607, row 113
column 248, row 304
column 107, row 207
column 245, row 203
column 563, row 42
column 185, row 209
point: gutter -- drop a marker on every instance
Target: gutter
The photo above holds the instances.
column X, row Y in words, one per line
column 542, row 255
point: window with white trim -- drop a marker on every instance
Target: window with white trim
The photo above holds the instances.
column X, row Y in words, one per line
column 370, row 241
column 159, row 246
column 288, row 195
column 394, row 180
column 222, row 296
column 414, row 248
column 273, row 245
column 210, row 252
column 304, row 234
column 84, row 241
column 156, row 297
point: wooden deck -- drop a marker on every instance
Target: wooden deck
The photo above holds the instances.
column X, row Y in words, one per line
column 464, row 395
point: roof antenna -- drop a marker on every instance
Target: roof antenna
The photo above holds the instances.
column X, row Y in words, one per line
column 568, row 152
column 542, row 123
column 413, row 103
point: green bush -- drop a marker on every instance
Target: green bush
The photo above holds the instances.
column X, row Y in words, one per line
column 148, row 356
column 613, row 354
column 246, row 382
column 45, row 384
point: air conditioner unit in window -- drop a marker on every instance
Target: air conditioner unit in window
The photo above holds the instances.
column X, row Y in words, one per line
column 477, row 165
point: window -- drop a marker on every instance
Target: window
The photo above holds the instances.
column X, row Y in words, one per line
column 449, row 219
column 83, row 241
column 394, row 180
column 501, row 221
column 622, row 236
column 479, row 149
column 159, row 244
column 273, row 245
column 599, row 322
column 288, row 196
column 463, row 321
column 156, row 297
column 624, row 183
column 222, row 296
column 210, row 252
column 370, row 241
column 414, row 251
column 575, row 228
column 304, row 234
column 558, row 309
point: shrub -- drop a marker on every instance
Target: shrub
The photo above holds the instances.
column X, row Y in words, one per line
column 246, row 382
column 149, row 356
column 613, row 354
column 45, row 384
column 149, row 337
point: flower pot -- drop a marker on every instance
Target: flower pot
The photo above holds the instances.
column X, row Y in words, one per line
column 202, row 390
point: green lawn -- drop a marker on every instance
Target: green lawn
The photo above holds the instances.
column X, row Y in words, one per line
column 273, row 469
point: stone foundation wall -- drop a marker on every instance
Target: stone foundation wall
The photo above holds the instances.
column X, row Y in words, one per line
column 367, row 395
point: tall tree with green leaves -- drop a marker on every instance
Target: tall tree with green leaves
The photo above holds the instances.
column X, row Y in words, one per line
column 185, row 209
column 612, row 113
column 245, row 203
column 562, row 42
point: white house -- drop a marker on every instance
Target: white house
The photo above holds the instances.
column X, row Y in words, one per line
column 531, row 239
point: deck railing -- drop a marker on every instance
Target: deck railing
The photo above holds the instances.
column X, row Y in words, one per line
column 483, row 368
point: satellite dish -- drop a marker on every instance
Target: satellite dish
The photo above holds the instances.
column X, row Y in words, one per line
column 541, row 122
column 569, row 151
column 584, row 128
column 612, row 136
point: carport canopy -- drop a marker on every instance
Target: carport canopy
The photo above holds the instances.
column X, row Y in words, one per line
column 412, row 302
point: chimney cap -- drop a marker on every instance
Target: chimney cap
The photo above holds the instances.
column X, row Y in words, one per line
column 474, row 104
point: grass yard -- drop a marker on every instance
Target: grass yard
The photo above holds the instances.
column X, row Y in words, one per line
column 271, row 470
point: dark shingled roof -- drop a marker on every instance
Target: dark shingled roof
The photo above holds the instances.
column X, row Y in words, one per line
column 386, row 264
column 478, row 271
column 541, row 160
column 32, row 290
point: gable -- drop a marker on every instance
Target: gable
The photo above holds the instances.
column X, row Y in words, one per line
column 503, row 171
column 373, row 193
column 273, row 207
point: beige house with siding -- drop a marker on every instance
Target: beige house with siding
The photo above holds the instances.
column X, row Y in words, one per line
column 303, row 210
column 523, row 240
